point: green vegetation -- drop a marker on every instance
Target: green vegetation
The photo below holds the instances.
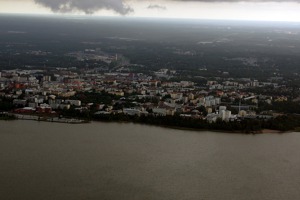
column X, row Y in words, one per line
column 96, row 97
column 282, row 123
column 7, row 117
column 287, row 107
column 5, row 104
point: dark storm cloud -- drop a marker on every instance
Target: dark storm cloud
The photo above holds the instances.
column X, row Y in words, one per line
column 87, row 6
column 119, row 6
column 159, row 7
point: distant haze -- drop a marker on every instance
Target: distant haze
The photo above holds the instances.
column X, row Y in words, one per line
column 266, row 10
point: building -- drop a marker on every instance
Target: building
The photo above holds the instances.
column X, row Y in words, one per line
column 160, row 111
column 73, row 102
column 20, row 102
column 131, row 111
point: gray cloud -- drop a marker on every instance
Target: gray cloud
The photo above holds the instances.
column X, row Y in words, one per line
column 247, row 1
column 159, row 7
column 87, row 6
column 119, row 6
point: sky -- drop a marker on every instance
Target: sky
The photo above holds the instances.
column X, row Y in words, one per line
column 262, row 10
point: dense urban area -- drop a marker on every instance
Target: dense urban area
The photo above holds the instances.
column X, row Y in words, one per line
column 76, row 95
column 228, row 77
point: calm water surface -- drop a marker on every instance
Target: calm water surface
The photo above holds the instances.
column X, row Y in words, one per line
column 43, row 161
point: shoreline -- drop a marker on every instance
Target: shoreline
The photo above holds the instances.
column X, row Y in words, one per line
column 49, row 119
column 263, row 131
column 266, row 131
column 80, row 121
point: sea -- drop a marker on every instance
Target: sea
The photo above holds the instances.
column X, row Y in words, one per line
column 126, row 161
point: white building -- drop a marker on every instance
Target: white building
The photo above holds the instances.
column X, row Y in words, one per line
column 131, row 111
column 222, row 115
column 218, row 101
column 227, row 115
column 160, row 111
column 19, row 102
column 222, row 108
column 74, row 102
column 212, row 117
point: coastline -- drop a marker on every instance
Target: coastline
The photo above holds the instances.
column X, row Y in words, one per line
column 263, row 131
column 266, row 131
column 49, row 119
column 81, row 121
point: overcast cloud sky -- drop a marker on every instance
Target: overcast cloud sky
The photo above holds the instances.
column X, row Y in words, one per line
column 275, row 10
